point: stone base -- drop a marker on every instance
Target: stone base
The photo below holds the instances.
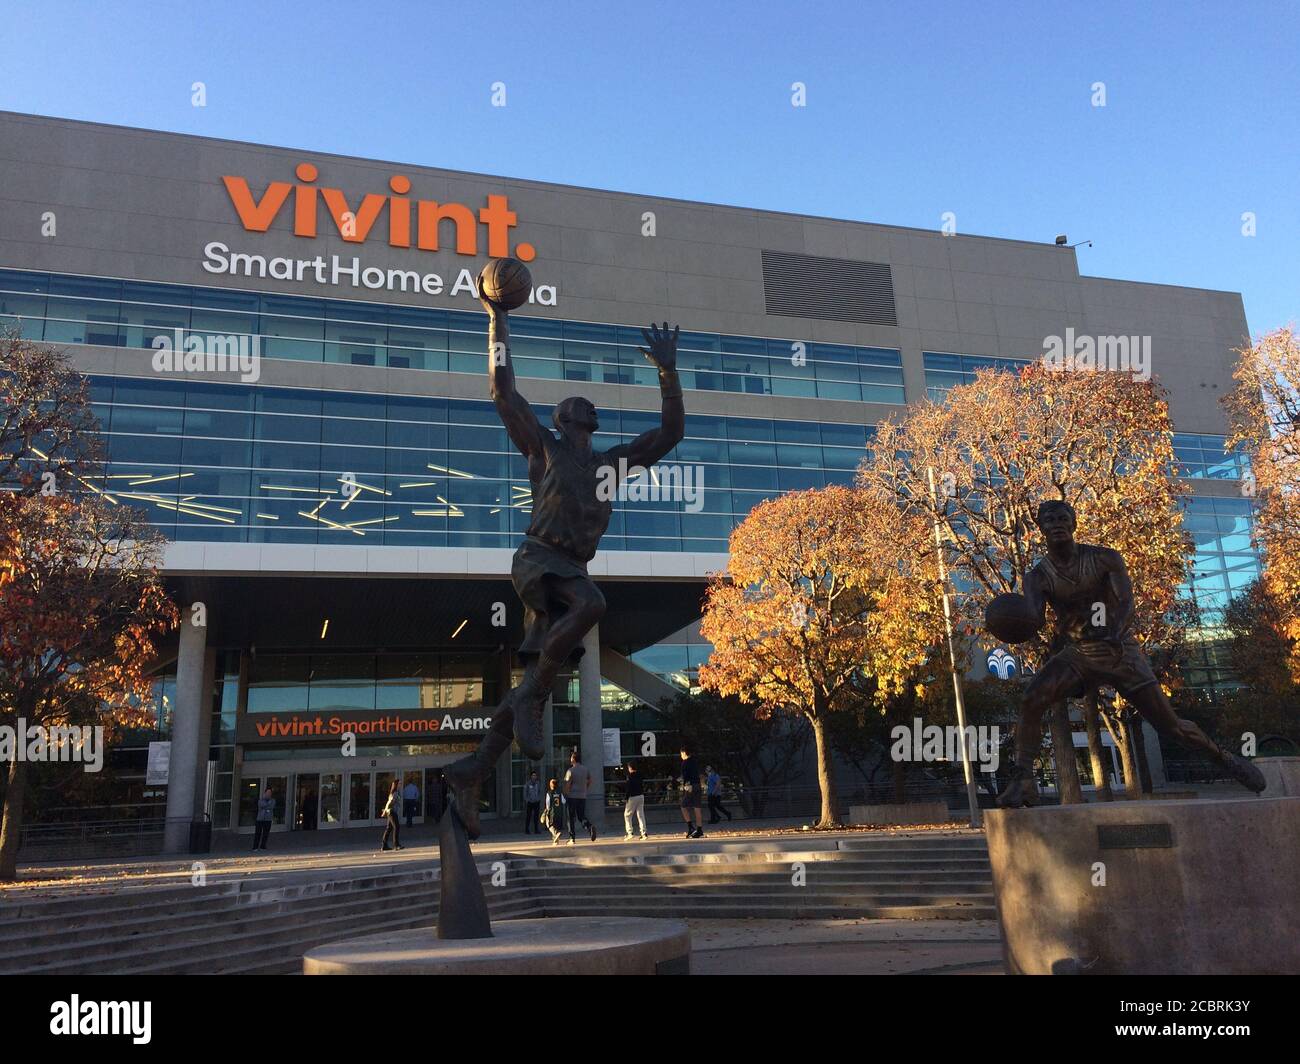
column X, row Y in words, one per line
column 562, row 946
column 1282, row 775
column 1190, row 888
column 900, row 813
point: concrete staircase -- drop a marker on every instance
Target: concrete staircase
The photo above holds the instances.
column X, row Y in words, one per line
column 263, row 923
column 257, row 926
column 940, row 877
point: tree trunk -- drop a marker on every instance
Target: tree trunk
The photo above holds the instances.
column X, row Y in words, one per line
column 1123, row 738
column 1097, row 752
column 1067, row 769
column 12, row 825
column 900, row 782
column 1132, row 776
column 1140, row 756
column 825, row 774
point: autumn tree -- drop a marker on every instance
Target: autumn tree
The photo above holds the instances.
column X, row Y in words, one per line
column 979, row 463
column 81, row 606
column 827, row 594
column 1265, row 411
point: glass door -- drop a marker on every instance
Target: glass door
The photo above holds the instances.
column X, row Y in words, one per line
column 306, row 801
column 330, row 813
column 359, row 798
column 413, row 799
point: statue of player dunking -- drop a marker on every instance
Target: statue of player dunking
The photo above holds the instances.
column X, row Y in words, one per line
column 1086, row 584
column 570, row 514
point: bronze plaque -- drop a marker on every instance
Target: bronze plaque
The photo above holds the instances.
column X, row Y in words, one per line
column 1135, row 836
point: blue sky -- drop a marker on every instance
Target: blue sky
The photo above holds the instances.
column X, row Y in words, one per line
column 913, row 109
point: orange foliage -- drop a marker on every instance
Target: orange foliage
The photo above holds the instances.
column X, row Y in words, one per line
column 1265, row 412
column 1004, row 443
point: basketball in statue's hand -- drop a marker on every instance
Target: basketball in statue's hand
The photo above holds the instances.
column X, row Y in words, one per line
column 1009, row 619
column 506, row 282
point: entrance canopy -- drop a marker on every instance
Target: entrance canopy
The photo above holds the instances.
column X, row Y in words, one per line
column 273, row 611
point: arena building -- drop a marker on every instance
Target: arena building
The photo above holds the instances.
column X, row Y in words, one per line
column 288, row 361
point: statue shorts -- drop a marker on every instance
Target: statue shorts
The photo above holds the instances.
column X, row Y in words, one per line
column 1080, row 667
column 535, row 564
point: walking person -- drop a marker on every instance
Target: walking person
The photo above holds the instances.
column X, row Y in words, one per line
column 553, row 811
column 532, row 805
column 436, row 798
column 390, row 813
column 713, row 786
column 410, row 803
column 635, row 807
column 690, row 777
column 265, row 815
column 576, row 782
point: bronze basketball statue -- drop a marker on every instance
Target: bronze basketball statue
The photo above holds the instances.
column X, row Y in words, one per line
column 1092, row 596
column 549, row 573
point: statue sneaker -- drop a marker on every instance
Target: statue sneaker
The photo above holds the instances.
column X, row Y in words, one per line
column 1021, row 791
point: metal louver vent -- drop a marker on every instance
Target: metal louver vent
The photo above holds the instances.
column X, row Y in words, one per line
column 809, row 286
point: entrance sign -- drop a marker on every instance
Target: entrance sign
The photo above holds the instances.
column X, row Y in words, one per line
column 613, row 747
column 160, row 755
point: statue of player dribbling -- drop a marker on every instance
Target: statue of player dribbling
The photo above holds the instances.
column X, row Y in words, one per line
column 1086, row 584
column 549, row 572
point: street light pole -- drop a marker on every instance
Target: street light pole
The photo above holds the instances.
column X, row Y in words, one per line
column 972, row 796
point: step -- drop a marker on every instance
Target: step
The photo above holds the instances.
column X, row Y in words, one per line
column 286, row 956
column 266, row 918
column 218, row 953
column 975, row 910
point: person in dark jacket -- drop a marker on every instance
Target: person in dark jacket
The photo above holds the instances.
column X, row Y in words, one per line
column 265, row 816
column 690, row 796
column 635, row 807
column 391, row 813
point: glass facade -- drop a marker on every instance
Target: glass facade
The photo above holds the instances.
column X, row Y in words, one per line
column 329, row 683
column 944, row 371
column 92, row 310
column 1225, row 561
column 1206, row 457
column 256, row 464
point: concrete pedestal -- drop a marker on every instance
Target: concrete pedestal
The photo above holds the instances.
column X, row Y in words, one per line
column 1282, row 774
column 563, row 946
column 1149, row 888
column 905, row 813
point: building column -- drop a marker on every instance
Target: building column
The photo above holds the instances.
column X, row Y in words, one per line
column 589, row 724
column 182, row 769
column 204, row 746
column 241, row 710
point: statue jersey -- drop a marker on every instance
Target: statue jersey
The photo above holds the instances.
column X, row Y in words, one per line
column 1075, row 591
column 573, row 499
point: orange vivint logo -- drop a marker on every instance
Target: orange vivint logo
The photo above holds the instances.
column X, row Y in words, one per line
column 354, row 226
